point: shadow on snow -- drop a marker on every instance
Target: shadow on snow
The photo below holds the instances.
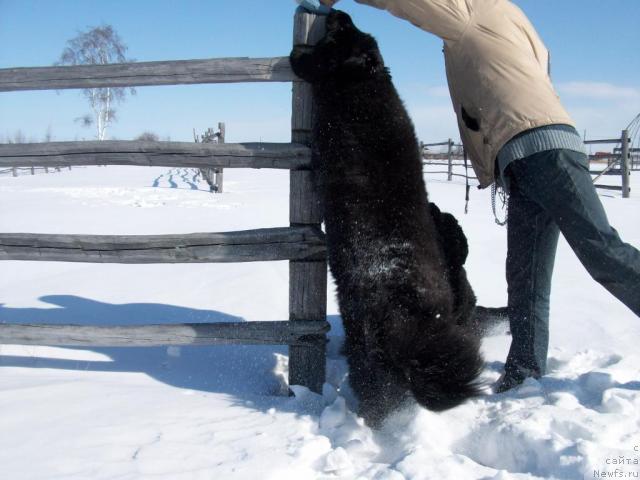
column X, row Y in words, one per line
column 247, row 372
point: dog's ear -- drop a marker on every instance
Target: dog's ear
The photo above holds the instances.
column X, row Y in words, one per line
column 339, row 20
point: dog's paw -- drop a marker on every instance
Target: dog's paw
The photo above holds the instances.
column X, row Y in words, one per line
column 301, row 60
column 454, row 241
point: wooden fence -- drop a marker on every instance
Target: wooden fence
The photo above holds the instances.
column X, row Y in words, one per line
column 302, row 242
column 15, row 171
column 213, row 176
column 453, row 156
column 619, row 161
column 620, row 158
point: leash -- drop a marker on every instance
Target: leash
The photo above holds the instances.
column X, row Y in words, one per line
column 495, row 192
column 504, row 199
column 466, row 177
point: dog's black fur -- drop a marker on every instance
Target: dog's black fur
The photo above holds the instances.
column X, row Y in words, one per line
column 456, row 249
column 403, row 294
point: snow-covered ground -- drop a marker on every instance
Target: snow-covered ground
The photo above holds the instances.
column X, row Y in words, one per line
column 223, row 412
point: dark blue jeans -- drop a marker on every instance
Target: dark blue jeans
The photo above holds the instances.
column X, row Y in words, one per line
column 552, row 192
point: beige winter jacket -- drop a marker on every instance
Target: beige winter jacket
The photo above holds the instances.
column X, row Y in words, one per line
column 496, row 68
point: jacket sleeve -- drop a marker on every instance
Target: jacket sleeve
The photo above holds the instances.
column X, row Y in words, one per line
column 445, row 18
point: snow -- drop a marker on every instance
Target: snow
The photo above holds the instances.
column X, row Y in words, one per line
column 223, row 412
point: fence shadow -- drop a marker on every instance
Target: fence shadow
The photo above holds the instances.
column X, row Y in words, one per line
column 243, row 371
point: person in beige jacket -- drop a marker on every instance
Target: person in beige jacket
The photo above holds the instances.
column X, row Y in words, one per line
column 517, row 134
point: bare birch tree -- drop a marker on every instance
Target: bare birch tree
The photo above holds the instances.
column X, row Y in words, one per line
column 98, row 46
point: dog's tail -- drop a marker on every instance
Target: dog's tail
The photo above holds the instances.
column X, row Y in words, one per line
column 443, row 367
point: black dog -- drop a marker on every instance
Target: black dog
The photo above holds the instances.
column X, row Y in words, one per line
column 403, row 313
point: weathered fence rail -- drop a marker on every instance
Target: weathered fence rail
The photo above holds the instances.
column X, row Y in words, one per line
column 175, row 72
column 307, row 279
column 302, row 242
column 269, row 244
column 247, row 333
column 288, row 156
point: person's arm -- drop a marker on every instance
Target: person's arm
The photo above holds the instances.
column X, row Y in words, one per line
column 445, row 18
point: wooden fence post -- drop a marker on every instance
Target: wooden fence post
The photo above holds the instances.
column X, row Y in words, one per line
column 450, row 159
column 219, row 171
column 624, row 164
column 307, row 279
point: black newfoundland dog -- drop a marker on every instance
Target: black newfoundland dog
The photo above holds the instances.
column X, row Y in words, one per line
column 397, row 261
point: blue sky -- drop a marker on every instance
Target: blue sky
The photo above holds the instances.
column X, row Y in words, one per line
column 594, row 45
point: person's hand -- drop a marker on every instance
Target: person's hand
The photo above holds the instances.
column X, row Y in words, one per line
column 321, row 7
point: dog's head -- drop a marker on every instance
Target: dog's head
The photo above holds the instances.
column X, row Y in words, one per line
column 344, row 54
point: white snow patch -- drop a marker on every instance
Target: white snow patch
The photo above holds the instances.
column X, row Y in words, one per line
column 225, row 412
